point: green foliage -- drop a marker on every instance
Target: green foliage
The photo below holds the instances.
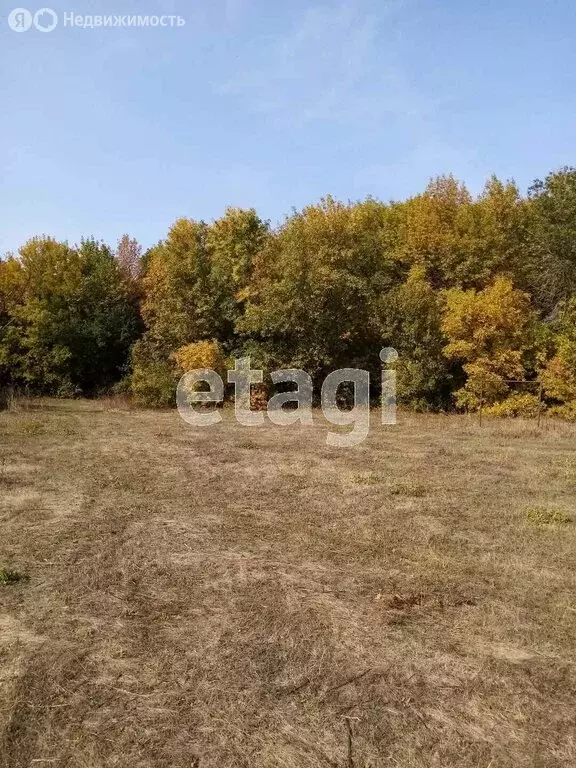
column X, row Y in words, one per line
column 9, row 577
column 177, row 305
column 471, row 292
column 107, row 319
column 196, row 279
column 153, row 385
column 69, row 321
column 312, row 299
column 559, row 374
column 233, row 242
column 410, row 319
column 553, row 237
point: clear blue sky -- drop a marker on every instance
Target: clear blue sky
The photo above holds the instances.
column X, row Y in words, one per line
column 272, row 104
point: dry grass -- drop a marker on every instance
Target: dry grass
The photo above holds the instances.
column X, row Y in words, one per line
column 234, row 597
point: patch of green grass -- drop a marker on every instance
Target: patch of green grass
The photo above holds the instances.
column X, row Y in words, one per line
column 9, row 577
column 398, row 489
column 65, row 427
column 368, row 478
column 408, row 489
column 30, row 427
column 540, row 516
column 246, row 443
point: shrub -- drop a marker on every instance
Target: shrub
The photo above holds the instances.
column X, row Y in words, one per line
column 559, row 374
column 481, row 384
column 122, row 387
column 566, row 411
column 8, row 577
column 154, row 385
column 559, row 379
column 487, row 333
column 517, row 404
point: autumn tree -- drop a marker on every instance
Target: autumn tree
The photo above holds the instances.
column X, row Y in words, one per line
column 41, row 323
column 471, row 291
column 195, row 278
column 106, row 320
column 311, row 303
column 129, row 257
column 559, row 374
column 411, row 317
column 465, row 242
column 498, row 235
column 177, row 306
column 436, row 231
column 233, row 241
column 12, row 287
column 552, row 250
column 194, row 291
column 69, row 324
column 488, row 332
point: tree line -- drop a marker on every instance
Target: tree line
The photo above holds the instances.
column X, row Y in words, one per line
column 474, row 292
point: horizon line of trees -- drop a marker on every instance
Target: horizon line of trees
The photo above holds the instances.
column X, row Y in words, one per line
column 472, row 292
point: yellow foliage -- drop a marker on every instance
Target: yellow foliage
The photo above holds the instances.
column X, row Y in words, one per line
column 559, row 374
column 518, row 404
column 487, row 332
column 559, row 379
column 201, row 354
column 12, row 284
column 566, row 411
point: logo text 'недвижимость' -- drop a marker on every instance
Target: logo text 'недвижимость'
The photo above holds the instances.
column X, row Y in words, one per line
column 46, row 20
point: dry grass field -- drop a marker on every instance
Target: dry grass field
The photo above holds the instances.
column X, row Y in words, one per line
column 251, row 598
